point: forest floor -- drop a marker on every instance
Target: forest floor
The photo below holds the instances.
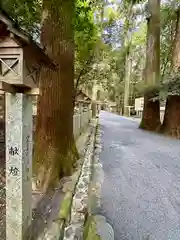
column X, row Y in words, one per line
column 141, row 188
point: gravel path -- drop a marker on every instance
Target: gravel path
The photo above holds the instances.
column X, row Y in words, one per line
column 141, row 189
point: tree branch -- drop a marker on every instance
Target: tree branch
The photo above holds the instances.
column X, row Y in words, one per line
column 82, row 72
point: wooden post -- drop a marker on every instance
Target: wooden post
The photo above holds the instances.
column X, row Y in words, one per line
column 128, row 65
column 127, row 85
column 89, row 111
column 81, row 115
column 18, row 164
column 94, row 98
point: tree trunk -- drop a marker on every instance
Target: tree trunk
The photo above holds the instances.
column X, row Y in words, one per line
column 94, row 104
column 94, row 99
column 151, row 112
column 127, row 84
column 128, row 61
column 171, row 123
column 55, row 150
column 176, row 45
column 94, row 108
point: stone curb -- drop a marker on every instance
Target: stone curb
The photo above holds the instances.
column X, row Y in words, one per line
column 96, row 227
column 79, row 208
column 97, row 176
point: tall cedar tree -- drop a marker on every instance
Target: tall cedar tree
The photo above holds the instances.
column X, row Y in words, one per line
column 55, row 151
column 127, row 42
column 94, row 104
column 151, row 113
column 171, row 123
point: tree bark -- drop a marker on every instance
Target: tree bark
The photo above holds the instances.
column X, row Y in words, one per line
column 151, row 112
column 94, row 105
column 128, row 61
column 128, row 72
column 176, row 47
column 94, row 99
column 55, row 150
column 171, row 123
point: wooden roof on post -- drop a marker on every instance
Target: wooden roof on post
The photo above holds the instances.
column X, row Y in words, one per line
column 31, row 49
column 82, row 97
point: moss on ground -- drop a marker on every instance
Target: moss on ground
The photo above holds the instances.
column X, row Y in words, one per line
column 67, row 201
column 90, row 230
column 65, row 206
column 141, row 125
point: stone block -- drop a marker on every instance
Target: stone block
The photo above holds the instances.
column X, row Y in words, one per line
column 18, row 165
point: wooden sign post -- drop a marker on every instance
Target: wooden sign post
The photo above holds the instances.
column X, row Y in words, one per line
column 81, row 115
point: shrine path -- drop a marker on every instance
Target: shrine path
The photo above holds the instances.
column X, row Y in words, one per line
column 141, row 188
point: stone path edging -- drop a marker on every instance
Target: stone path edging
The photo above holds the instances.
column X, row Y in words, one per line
column 96, row 227
column 56, row 230
column 79, row 208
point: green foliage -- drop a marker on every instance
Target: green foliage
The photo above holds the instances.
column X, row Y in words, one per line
column 168, row 22
column 171, row 85
column 139, row 36
column 90, row 229
column 65, row 206
column 86, row 38
column 25, row 13
column 85, row 29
